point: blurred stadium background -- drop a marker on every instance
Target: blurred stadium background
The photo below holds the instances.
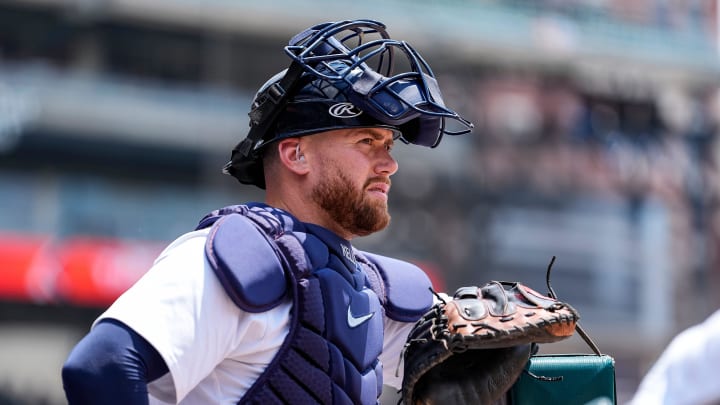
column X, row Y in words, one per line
column 595, row 141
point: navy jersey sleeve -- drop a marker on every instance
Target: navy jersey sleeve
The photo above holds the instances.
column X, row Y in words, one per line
column 111, row 365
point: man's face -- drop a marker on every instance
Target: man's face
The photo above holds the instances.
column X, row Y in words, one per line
column 353, row 178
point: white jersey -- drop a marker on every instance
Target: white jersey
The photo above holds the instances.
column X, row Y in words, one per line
column 213, row 349
column 686, row 372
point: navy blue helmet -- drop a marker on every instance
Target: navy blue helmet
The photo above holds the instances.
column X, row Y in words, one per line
column 347, row 74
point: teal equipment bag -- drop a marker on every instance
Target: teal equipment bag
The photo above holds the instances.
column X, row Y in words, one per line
column 566, row 379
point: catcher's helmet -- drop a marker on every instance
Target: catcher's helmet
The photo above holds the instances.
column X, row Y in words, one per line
column 330, row 85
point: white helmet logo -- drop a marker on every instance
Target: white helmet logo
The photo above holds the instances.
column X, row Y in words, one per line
column 344, row 110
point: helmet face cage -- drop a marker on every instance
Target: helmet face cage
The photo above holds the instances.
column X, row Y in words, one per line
column 385, row 79
column 360, row 56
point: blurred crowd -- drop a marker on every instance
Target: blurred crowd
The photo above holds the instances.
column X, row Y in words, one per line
column 667, row 14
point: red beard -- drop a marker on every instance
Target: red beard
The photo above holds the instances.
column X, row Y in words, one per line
column 350, row 208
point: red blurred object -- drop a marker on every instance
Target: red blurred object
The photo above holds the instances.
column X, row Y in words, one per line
column 27, row 267
column 79, row 271
column 95, row 271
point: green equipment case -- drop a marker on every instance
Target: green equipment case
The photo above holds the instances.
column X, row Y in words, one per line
column 566, row 379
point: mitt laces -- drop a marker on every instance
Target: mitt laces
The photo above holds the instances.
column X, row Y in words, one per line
column 578, row 328
column 436, row 322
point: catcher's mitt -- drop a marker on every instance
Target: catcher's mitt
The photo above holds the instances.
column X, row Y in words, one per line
column 493, row 327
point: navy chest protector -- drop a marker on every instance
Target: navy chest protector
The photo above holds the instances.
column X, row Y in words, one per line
column 264, row 256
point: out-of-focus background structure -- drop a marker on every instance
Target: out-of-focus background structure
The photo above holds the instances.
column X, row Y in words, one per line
column 595, row 142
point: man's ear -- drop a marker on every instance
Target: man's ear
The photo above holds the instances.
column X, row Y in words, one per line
column 291, row 155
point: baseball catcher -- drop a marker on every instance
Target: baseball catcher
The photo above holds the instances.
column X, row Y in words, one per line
column 269, row 303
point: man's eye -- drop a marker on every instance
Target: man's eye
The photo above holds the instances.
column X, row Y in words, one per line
column 368, row 141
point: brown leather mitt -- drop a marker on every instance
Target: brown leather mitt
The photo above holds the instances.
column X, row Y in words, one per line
column 474, row 347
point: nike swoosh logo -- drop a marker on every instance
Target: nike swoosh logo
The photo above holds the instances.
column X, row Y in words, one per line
column 354, row 321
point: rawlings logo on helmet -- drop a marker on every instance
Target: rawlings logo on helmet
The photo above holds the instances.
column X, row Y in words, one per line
column 344, row 110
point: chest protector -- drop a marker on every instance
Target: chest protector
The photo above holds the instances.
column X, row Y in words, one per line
column 264, row 256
